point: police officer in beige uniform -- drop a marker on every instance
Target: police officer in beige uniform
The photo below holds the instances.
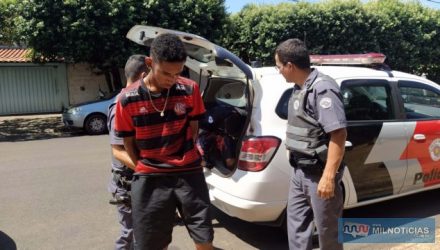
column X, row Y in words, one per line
column 316, row 140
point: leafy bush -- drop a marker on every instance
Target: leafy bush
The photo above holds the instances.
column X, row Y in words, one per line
column 8, row 35
column 94, row 31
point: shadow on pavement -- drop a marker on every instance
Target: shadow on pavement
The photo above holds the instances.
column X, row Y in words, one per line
column 35, row 129
column 259, row 236
column 6, row 242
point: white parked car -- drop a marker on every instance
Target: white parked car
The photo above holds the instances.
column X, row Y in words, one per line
column 393, row 144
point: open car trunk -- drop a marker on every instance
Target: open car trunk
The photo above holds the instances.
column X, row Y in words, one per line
column 228, row 109
column 225, row 83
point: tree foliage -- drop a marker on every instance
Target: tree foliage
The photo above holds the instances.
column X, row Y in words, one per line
column 8, row 13
column 406, row 32
column 409, row 34
column 93, row 31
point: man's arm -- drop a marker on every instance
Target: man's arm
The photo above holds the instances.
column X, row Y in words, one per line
column 121, row 155
column 131, row 149
column 336, row 149
column 195, row 129
column 330, row 112
column 197, row 112
column 118, row 150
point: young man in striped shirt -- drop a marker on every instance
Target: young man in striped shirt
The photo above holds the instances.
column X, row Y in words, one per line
column 158, row 118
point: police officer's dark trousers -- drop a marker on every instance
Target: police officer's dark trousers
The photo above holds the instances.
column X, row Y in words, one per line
column 305, row 206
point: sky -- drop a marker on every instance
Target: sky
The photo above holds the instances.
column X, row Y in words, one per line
column 236, row 5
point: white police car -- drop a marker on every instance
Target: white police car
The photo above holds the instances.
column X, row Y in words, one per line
column 393, row 144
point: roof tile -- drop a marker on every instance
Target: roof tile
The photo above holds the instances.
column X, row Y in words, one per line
column 14, row 55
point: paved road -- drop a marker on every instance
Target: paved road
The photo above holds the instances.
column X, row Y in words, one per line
column 53, row 196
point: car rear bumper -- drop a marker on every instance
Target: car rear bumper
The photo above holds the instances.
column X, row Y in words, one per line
column 253, row 197
column 246, row 210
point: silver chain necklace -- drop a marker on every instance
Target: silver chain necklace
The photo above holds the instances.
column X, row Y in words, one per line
column 151, row 100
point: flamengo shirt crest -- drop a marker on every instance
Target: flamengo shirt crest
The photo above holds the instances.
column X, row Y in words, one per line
column 165, row 142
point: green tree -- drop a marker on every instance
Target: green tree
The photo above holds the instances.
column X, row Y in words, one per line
column 406, row 32
column 8, row 34
column 329, row 27
column 409, row 34
column 93, row 31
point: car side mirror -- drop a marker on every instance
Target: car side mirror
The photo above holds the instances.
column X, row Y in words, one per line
column 282, row 108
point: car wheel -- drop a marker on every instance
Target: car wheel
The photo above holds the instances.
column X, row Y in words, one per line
column 95, row 124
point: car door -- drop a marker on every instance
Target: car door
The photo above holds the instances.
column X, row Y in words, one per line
column 375, row 140
column 421, row 106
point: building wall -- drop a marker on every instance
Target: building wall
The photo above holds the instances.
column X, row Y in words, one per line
column 84, row 83
column 28, row 88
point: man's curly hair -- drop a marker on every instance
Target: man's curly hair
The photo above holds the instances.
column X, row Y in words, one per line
column 168, row 48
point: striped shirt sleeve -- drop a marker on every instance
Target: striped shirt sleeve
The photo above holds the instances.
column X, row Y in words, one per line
column 123, row 122
column 198, row 109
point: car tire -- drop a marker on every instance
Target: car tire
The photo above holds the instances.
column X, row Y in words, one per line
column 95, row 124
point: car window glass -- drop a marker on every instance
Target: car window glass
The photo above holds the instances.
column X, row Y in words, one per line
column 232, row 94
column 366, row 101
column 420, row 102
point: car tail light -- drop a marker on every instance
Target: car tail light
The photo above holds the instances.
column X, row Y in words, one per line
column 257, row 152
column 349, row 59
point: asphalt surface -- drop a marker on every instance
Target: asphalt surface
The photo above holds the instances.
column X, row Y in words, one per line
column 53, row 196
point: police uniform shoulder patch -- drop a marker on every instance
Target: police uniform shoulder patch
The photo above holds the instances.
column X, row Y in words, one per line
column 325, row 102
column 296, row 105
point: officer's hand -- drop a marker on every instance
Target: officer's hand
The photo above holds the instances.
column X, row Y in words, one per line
column 326, row 188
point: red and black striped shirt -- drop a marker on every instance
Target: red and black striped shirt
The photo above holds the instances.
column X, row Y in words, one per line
column 165, row 142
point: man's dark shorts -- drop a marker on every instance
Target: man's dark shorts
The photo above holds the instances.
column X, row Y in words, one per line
column 154, row 202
